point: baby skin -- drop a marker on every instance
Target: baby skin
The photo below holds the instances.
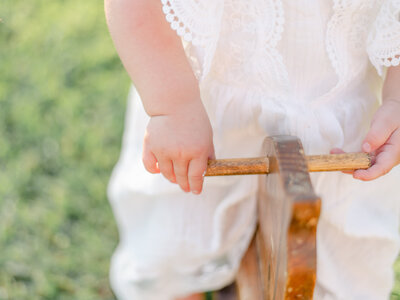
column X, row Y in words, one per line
column 179, row 138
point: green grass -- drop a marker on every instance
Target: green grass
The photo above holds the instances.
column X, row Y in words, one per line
column 62, row 102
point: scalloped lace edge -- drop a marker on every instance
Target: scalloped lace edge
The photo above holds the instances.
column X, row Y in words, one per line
column 384, row 44
column 178, row 24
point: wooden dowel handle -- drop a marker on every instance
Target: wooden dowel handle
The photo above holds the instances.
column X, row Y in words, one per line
column 338, row 162
column 237, row 166
column 316, row 163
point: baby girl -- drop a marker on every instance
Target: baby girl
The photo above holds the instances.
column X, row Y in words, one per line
column 214, row 77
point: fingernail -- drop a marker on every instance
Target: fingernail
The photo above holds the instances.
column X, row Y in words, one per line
column 196, row 192
column 366, row 147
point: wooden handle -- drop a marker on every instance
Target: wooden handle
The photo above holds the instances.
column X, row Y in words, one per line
column 338, row 162
column 316, row 163
column 237, row 166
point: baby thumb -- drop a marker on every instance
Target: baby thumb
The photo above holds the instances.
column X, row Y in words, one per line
column 377, row 135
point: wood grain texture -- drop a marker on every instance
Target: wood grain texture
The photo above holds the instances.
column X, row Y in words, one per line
column 237, row 166
column 315, row 163
column 248, row 280
column 338, row 162
column 288, row 217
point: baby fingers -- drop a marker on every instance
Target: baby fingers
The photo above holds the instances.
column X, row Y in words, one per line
column 181, row 173
column 387, row 156
column 150, row 162
column 197, row 168
column 166, row 168
column 381, row 129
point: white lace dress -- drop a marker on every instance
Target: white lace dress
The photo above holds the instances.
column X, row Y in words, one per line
column 310, row 68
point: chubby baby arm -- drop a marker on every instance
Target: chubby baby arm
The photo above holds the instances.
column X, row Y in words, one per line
column 383, row 137
column 178, row 140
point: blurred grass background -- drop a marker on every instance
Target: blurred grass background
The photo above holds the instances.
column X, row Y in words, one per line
column 62, row 102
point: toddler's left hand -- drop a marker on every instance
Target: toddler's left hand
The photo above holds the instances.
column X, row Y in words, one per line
column 382, row 142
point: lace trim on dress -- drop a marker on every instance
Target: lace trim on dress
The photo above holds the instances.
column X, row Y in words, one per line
column 347, row 33
column 346, row 39
column 197, row 22
column 384, row 39
column 247, row 52
column 277, row 27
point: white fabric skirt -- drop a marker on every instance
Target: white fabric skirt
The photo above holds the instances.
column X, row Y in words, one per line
column 174, row 244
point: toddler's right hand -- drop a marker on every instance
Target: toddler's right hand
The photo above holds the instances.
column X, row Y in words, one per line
column 179, row 145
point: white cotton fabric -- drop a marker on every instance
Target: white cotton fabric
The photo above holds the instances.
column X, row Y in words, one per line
column 308, row 68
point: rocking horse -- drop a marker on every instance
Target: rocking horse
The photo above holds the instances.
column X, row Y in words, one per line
column 280, row 263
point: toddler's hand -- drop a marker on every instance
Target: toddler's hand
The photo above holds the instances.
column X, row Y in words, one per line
column 179, row 145
column 382, row 141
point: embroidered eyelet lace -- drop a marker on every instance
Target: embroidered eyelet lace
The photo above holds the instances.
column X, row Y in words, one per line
column 384, row 39
column 197, row 22
column 252, row 29
column 246, row 52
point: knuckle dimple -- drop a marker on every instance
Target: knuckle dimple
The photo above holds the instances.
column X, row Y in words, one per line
column 198, row 151
column 189, row 153
column 177, row 155
column 180, row 155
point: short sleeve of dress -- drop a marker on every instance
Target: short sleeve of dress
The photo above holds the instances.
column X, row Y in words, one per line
column 198, row 23
column 383, row 44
